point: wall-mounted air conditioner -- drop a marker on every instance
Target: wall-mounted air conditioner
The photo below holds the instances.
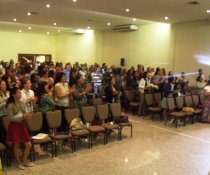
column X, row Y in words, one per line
column 127, row 27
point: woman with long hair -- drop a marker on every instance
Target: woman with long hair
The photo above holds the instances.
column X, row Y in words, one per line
column 45, row 102
column 17, row 131
column 4, row 95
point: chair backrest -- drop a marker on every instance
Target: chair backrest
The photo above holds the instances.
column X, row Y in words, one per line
column 180, row 102
column 130, row 95
column 149, row 99
column 71, row 114
column 201, row 97
column 115, row 109
column 97, row 101
column 171, row 103
column 5, row 122
column 102, row 111
column 88, row 114
column 35, row 122
column 188, row 101
column 36, row 107
column 54, row 119
column 195, row 100
column 157, row 97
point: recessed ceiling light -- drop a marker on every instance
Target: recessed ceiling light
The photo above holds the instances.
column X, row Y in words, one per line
column 29, row 13
column 48, row 33
column 134, row 19
column 166, row 18
column 74, row 0
column 208, row 11
column 29, row 28
column 108, row 23
column 127, row 10
column 14, row 19
column 20, row 31
column 59, row 30
column 88, row 27
column 48, row 5
column 54, row 24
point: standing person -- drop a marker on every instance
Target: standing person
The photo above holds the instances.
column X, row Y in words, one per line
column 111, row 93
column 67, row 72
column 183, row 83
column 17, row 131
column 81, row 92
column 97, row 80
column 45, row 102
column 61, row 96
column 142, row 85
column 206, row 105
column 27, row 95
column 4, row 95
column 200, row 81
column 168, row 92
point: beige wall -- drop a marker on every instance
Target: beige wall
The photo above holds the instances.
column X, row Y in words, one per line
column 13, row 43
column 83, row 48
column 192, row 49
column 182, row 47
column 151, row 45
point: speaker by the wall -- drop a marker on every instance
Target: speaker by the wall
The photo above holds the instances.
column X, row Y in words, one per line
column 122, row 62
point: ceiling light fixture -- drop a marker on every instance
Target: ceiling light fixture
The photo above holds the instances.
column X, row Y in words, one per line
column 29, row 28
column 127, row 10
column 108, row 23
column 29, row 13
column 134, row 19
column 54, row 24
column 74, row 0
column 48, row 5
column 20, row 31
column 166, row 18
column 88, row 27
column 14, row 19
column 208, row 11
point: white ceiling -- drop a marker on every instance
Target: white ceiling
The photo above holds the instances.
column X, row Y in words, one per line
column 95, row 13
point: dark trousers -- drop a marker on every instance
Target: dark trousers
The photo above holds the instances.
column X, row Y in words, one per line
column 64, row 124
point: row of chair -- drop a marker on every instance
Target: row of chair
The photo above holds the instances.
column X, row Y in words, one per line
column 176, row 108
column 153, row 105
column 89, row 131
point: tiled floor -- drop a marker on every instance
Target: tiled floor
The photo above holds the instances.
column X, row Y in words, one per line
column 155, row 149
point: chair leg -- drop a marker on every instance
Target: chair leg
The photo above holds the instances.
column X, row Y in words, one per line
column 152, row 116
column 107, row 136
column 131, row 130
column 176, row 122
column 192, row 119
column 184, row 121
column 104, row 137
column 52, row 147
column 55, row 148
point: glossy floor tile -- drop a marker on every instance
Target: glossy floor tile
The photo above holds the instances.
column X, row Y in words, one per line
column 155, row 149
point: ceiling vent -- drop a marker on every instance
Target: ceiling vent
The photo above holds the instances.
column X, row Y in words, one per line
column 193, row 3
column 125, row 28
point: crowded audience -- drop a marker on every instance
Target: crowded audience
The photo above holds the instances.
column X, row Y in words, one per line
column 51, row 86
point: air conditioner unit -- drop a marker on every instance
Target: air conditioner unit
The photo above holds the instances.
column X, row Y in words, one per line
column 127, row 27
